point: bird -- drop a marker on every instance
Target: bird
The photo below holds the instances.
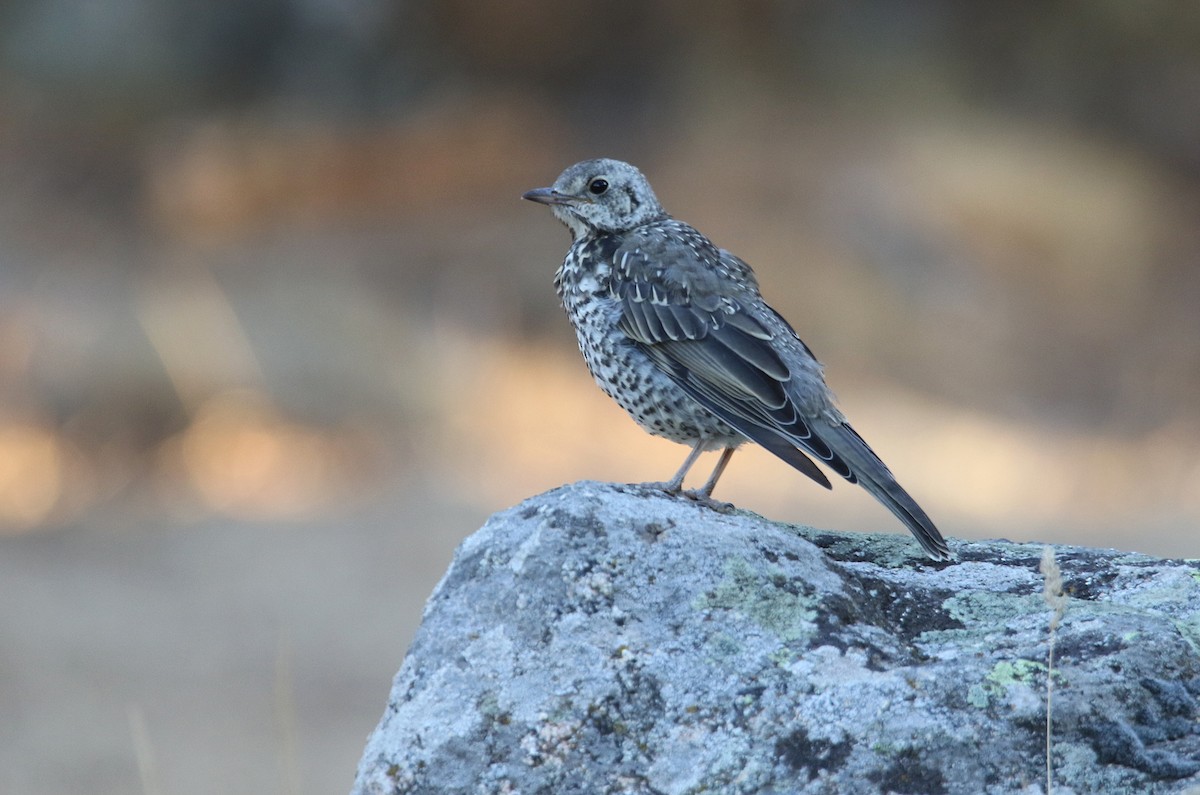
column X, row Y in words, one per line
column 676, row 331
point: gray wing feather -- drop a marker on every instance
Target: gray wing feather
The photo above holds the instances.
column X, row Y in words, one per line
column 874, row 476
column 723, row 357
column 710, row 361
column 725, row 362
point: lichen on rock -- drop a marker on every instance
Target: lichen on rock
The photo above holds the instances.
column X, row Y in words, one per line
column 612, row 639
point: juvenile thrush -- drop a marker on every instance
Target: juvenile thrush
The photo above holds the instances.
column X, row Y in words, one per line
column 675, row 330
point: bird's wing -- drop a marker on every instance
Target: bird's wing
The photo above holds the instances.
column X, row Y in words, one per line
column 722, row 356
column 726, row 358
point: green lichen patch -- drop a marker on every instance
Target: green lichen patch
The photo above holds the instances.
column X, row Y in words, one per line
column 1006, row 674
column 775, row 602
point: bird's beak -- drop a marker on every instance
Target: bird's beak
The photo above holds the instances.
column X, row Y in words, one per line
column 550, row 196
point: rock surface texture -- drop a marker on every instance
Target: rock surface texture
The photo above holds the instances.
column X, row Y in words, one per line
column 610, row 639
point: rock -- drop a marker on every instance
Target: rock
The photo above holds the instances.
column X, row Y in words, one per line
column 611, row 639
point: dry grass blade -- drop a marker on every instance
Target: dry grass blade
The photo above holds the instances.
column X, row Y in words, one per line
column 1052, row 592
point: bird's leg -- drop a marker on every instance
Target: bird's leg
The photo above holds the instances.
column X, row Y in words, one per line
column 704, row 493
column 675, row 484
column 707, row 489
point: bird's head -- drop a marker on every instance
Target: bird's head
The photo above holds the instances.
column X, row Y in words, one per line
column 598, row 196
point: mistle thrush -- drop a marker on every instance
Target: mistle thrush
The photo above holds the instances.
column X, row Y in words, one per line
column 675, row 330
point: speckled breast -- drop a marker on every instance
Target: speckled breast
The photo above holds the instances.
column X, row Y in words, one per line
column 625, row 373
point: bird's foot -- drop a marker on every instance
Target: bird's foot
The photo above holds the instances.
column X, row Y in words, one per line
column 659, row 485
column 699, row 497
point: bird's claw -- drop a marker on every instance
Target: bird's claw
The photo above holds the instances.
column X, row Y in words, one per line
column 699, row 497
column 659, row 485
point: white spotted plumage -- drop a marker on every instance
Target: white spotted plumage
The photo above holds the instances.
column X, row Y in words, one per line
column 586, row 286
column 675, row 330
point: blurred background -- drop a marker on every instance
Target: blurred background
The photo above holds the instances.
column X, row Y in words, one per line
column 276, row 331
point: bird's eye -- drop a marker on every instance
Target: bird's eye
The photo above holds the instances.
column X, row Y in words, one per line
column 597, row 186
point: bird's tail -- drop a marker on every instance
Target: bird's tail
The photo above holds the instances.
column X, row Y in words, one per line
column 866, row 468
